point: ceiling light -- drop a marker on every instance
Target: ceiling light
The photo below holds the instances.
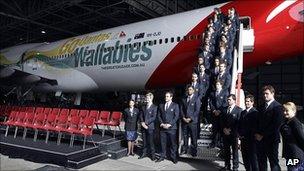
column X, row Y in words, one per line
column 43, row 32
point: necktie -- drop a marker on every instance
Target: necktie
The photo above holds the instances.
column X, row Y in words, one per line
column 188, row 99
column 228, row 110
column 266, row 106
column 166, row 106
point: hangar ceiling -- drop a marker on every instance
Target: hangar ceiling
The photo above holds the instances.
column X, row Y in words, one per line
column 28, row 21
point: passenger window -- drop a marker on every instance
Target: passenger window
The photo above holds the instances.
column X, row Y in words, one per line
column 178, row 39
column 160, row 41
column 155, row 42
column 166, row 40
column 172, row 39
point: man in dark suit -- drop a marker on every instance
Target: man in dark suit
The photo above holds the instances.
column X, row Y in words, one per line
column 200, row 61
column 225, row 56
column 168, row 115
column 196, row 85
column 208, row 57
column 190, row 109
column 267, row 134
column 147, row 118
column 229, row 125
column 203, row 78
column 246, row 128
column 224, row 76
column 218, row 101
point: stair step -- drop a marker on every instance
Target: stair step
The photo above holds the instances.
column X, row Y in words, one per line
column 112, row 144
column 77, row 163
column 116, row 154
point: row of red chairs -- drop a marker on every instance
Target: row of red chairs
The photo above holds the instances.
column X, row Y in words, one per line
column 74, row 121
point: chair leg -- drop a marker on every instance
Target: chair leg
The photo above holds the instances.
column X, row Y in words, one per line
column 103, row 131
column 114, row 132
column 59, row 138
column 24, row 133
column 6, row 131
column 72, row 138
column 84, row 141
column 47, row 136
column 16, row 131
column 35, row 135
column 93, row 141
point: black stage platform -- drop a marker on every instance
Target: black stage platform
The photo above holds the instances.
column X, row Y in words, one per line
column 72, row 157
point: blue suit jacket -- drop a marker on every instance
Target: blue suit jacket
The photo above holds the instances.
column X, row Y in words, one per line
column 148, row 116
column 169, row 116
column 191, row 109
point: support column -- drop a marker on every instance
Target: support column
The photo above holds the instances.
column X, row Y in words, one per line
column 77, row 99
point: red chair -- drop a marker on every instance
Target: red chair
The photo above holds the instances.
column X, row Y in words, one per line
column 49, row 123
column 104, row 118
column 83, row 114
column 115, row 121
column 19, row 120
column 65, row 112
column 74, row 112
column 39, row 121
column 11, row 119
column 94, row 114
column 61, row 123
column 74, row 126
column 85, row 130
column 28, row 122
column 39, row 110
column 55, row 111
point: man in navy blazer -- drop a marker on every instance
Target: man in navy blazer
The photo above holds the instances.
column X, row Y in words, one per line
column 218, row 101
column 197, row 86
column 267, row 134
column 224, row 76
column 229, row 126
column 168, row 115
column 246, row 128
column 190, row 109
column 147, row 118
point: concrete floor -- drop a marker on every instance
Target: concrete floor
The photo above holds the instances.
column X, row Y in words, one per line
column 125, row 163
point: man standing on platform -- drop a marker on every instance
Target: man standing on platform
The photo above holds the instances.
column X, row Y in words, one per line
column 147, row 118
column 247, row 126
column 268, row 130
column 190, row 109
column 229, row 125
column 168, row 115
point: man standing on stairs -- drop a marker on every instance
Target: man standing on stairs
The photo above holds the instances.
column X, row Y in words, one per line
column 147, row 118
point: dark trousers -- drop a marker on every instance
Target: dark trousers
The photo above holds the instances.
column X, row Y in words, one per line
column 190, row 129
column 171, row 135
column 216, row 133
column 248, row 149
column 231, row 141
column 270, row 150
column 148, row 142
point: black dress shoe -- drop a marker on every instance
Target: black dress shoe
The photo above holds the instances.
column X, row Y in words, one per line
column 153, row 158
column 159, row 160
column 142, row 156
column 132, row 154
column 174, row 161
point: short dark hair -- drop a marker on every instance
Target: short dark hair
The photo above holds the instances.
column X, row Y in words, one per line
column 268, row 87
column 233, row 96
column 218, row 81
column 169, row 92
column 250, row 96
column 189, row 86
column 222, row 62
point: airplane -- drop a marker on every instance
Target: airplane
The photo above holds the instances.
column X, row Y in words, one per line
column 152, row 54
